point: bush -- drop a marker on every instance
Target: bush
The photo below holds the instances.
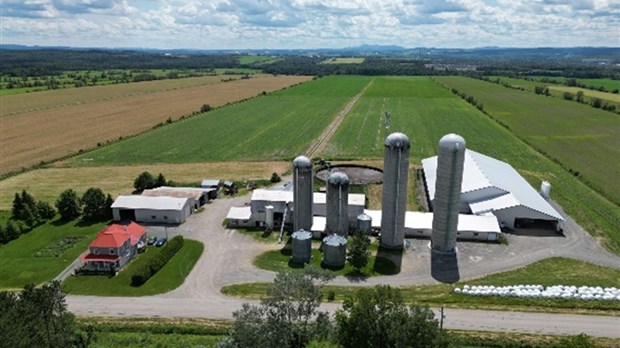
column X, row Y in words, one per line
column 153, row 262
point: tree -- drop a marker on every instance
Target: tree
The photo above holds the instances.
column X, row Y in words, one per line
column 144, row 181
column 94, row 205
column 109, row 215
column 46, row 211
column 596, row 102
column 579, row 97
column 38, row 317
column 287, row 317
column 358, row 250
column 568, row 96
column 160, row 181
column 3, row 237
column 18, row 207
column 205, row 108
column 377, row 317
column 68, row 205
column 275, row 178
column 11, row 231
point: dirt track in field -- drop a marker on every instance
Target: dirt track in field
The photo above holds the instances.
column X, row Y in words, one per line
column 41, row 127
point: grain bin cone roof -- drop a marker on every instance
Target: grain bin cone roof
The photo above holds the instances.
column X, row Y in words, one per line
column 364, row 217
column 397, row 140
column 335, row 240
column 453, row 142
column 302, row 162
column 338, row 178
column 302, row 235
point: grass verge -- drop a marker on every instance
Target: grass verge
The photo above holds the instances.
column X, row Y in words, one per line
column 552, row 271
column 168, row 278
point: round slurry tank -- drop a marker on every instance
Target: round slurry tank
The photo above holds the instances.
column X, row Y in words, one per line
column 364, row 223
column 303, row 181
column 334, row 251
column 337, row 209
column 302, row 246
column 394, row 201
column 447, row 193
column 545, row 189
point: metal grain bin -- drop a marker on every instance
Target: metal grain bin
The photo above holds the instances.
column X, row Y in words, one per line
column 337, row 220
column 394, row 200
column 364, row 223
column 302, row 246
column 334, row 250
column 302, row 193
column 447, row 193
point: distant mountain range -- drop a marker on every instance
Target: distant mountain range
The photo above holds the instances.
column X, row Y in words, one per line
column 610, row 53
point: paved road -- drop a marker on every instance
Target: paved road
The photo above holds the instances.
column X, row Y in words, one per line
column 228, row 255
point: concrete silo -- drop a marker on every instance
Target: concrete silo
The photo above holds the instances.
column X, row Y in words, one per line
column 302, row 193
column 394, row 201
column 447, row 193
column 337, row 220
column 364, row 223
column 334, row 251
column 302, row 246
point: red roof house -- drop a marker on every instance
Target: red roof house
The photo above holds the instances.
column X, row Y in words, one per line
column 113, row 247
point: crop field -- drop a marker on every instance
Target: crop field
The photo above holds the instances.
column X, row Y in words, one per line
column 276, row 126
column 345, row 60
column 48, row 125
column 588, row 93
column 582, row 138
column 47, row 183
column 425, row 111
column 257, row 60
column 608, row 84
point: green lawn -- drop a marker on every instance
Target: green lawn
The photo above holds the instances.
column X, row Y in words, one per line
column 20, row 264
column 276, row 126
column 553, row 271
column 168, row 278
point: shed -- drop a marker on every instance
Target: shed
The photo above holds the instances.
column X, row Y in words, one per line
column 151, row 209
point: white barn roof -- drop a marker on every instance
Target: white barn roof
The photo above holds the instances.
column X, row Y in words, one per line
column 480, row 172
column 239, row 213
column 147, row 202
column 416, row 220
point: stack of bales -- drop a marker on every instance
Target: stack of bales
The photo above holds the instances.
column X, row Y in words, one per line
column 302, row 193
column 364, row 223
column 447, row 193
column 334, row 251
column 337, row 220
column 302, row 246
column 394, row 201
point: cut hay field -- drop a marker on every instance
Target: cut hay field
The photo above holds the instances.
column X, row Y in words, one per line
column 425, row 111
column 49, row 125
column 582, row 138
column 276, row 126
column 46, row 184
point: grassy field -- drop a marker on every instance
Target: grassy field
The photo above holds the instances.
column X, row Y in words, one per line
column 46, row 184
column 48, row 125
column 608, row 84
column 344, row 60
column 168, row 278
column 257, row 60
column 279, row 125
column 38, row 256
column 588, row 93
column 553, row 271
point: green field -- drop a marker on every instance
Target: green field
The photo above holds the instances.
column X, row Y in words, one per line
column 608, row 84
column 168, row 278
column 38, row 256
column 344, row 60
column 276, row 126
column 553, row 271
column 257, row 60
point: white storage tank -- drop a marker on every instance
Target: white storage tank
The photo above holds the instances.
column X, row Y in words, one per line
column 337, row 220
column 447, row 193
column 303, row 182
column 545, row 189
column 394, row 200
column 364, row 223
column 334, row 251
column 302, row 246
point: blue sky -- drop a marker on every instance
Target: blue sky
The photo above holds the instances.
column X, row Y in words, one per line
column 255, row 24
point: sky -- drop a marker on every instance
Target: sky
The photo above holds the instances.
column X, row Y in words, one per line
column 307, row 24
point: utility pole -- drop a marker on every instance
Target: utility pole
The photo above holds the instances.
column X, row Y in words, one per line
column 441, row 317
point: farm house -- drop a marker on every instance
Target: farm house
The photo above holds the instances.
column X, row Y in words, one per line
column 171, row 210
column 492, row 186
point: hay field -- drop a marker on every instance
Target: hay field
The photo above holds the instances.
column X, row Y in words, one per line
column 344, row 60
column 59, row 127
column 47, row 184
column 425, row 111
column 588, row 93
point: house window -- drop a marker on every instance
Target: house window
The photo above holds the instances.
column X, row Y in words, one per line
column 153, row 217
column 95, row 251
column 112, row 251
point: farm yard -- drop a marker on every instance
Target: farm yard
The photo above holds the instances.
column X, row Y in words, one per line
column 31, row 123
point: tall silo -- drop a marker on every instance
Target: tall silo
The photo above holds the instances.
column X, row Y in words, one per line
column 302, row 193
column 364, row 223
column 334, row 250
column 337, row 206
column 302, row 246
column 447, row 193
column 394, row 201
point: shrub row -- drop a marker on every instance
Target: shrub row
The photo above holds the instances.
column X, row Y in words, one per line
column 153, row 262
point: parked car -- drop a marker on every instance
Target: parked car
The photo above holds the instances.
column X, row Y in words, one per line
column 141, row 247
column 152, row 240
column 160, row 242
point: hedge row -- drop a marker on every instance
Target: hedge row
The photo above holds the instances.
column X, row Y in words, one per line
column 155, row 261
